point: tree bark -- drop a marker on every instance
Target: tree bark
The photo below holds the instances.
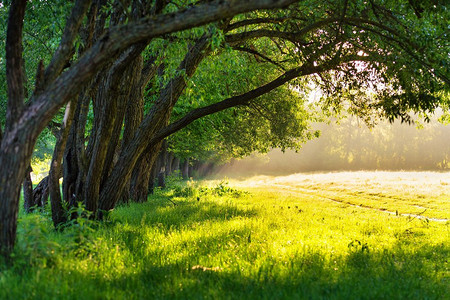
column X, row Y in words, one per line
column 140, row 183
column 111, row 117
column 157, row 118
column 185, row 169
column 152, row 178
column 15, row 73
column 169, row 159
column 58, row 213
column 15, row 152
column 28, row 191
column 40, row 194
column 176, row 165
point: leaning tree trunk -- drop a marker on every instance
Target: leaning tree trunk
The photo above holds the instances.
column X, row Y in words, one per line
column 10, row 183
column 138, row 187
column 15, row 147
column 58, row 213
column 133, row 116
column 110, row 108
column 140, row 181
column 157, row 118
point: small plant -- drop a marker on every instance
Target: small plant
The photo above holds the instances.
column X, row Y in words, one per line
column 188, row 191
column 223, row 189
column 174, row 179
column 359, row 254
column 34, row 247
column 358, row 246
column 80, row 227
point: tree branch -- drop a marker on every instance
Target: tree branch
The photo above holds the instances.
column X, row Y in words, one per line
column 256, row 53
column 254, row 22
column 119, row 38
column 148, row 71
column 230, row 102
column 306, row 69
column 294, row 37
column 65, row 49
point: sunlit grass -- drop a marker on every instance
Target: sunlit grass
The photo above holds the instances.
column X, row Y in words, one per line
column 219, row 243
column 40, row 168
column 419, row 193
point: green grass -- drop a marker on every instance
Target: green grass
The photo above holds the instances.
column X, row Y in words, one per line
column 195, row 242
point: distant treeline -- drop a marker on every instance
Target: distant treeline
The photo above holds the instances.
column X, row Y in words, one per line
column 351, row 145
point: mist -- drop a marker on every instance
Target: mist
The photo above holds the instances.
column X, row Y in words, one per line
column 352, row 146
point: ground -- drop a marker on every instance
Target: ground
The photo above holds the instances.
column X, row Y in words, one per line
column 306, row 236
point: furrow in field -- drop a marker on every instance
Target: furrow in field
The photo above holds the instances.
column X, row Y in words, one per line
column 316, row 193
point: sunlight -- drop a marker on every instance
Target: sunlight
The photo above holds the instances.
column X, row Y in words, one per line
column 425, row 182
column 421, row 195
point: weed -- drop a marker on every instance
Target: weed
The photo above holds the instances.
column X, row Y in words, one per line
column 35, row 246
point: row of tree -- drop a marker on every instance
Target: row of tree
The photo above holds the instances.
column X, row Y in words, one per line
column 113, row 79
column 352, row 146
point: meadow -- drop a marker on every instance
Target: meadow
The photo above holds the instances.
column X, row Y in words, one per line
column 305, row 236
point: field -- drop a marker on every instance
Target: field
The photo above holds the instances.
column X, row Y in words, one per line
column 306, row 236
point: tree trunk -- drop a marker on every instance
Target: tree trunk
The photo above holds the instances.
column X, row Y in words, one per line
column 58, row 213
column 169, row 160
column 176, row 165
column 152, row 178
column 15, row 156
column 16, row 148
column 140, row 183
column 185, row 169
column 162, row 179
column 157, row 118
column 28, row 191
column 133, row 117
column 190, row 171
column 40, row 194
column 115, row 89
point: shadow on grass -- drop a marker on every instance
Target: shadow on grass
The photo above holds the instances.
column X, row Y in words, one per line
column 184, row 216
column 308, row 276
column 361, row 273
column 159, row 212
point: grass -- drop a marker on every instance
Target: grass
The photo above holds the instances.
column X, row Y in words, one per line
column 214, row 241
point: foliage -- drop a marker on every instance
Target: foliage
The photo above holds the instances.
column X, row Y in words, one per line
column 43, row 26
column 240, row 131
column 385, row 83
column 35, row 247
column 177, row 188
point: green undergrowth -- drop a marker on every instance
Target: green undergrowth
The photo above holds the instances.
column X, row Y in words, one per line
column 213, row 241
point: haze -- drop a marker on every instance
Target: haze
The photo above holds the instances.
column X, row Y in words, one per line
column 352, row 146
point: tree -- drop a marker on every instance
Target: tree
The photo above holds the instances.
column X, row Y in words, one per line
column 118, row 66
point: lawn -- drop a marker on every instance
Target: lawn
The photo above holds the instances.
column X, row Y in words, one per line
column 305, row 237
